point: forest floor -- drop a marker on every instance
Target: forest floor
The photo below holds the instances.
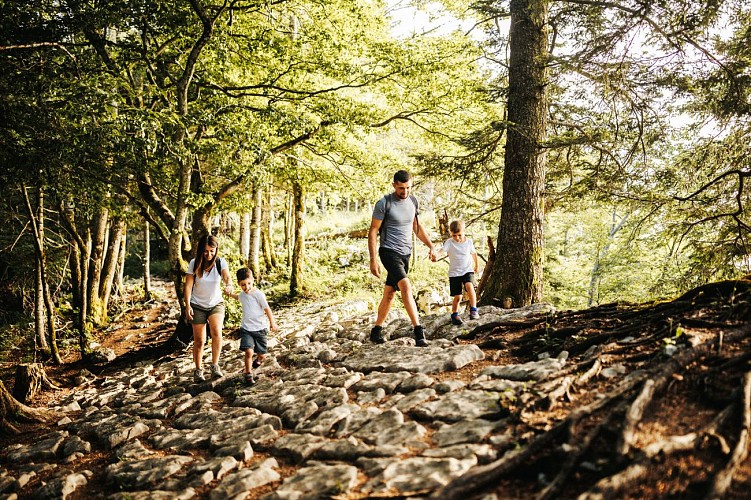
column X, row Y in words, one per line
column 656, row 401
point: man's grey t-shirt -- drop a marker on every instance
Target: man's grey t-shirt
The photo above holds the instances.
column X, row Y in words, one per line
column 396, row 230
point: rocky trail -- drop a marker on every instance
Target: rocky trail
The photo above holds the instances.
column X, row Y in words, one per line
column 618, row 401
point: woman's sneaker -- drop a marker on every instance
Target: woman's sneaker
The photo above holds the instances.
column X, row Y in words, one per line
column 216, row 372
column 456, row 320
column 249, row 379
column 473, row 314
column 198, row 375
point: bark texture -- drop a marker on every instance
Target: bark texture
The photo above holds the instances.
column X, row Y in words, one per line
column 517, row 269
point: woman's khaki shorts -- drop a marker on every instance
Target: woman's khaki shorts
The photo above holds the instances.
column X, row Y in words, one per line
column 201, row 315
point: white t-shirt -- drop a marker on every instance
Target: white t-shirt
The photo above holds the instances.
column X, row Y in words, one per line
column 254, row 305
column 460, row 257
column 207, row 290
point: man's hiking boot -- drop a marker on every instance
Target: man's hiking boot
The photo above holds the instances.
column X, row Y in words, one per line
column 375, row 335
column 198, row 375
column 456, row 320
column 420, row 337
column 216, row 372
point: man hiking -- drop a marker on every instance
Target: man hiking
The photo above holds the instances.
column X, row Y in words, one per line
column 395, row 219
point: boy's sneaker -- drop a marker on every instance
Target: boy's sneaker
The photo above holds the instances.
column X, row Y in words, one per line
column 249, row 379
column 216, row 372
column 473, row 314
column 375, row 335
column 420, row 337
column 456, row 320
column 198, row 375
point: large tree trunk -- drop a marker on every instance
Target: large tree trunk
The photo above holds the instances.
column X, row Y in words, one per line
column 296, row 283
column 517, row 270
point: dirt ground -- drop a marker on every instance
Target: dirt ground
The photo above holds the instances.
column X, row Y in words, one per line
column 654, row 401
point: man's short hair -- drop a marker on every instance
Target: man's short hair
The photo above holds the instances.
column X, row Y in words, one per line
column 402, row 176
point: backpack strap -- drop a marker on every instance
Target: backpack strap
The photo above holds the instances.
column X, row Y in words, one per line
column 387, row 205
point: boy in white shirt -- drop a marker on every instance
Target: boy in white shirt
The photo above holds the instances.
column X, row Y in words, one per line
column 462, row 269
column 253, row 328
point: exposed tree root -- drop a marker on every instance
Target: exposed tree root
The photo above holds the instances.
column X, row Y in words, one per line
column 650, row 372
column 573, row 459
column 479, row 477
column 12, row 412
column 724, row 477
column 633, row 417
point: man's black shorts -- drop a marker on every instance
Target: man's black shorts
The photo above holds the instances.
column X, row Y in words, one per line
column 456, row 283
column 397, row 266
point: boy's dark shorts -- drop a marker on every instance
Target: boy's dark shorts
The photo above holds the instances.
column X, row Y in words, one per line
column 396, row 265
column 456, row 283
column 253, row 340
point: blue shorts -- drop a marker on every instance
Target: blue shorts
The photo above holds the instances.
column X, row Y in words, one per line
column 253, row 340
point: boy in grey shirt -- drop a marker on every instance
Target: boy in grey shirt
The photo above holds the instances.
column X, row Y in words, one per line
column 395, row 219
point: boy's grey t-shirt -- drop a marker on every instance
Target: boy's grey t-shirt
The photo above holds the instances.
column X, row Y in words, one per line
column 396, row 230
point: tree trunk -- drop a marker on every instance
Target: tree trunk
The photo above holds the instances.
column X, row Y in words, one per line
column 296, row 284
column 40, row 316
column 42, row 261
column 109, row 269
column 99, row 246
column 517, row 270
column 245, row 236
column 79, row 268
column 595, row 274
column 12, row 412
column 255, row 231
column 118, row 289
column 30, row 378
column 146, row 261
column 267, row 223
column 289, row 227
